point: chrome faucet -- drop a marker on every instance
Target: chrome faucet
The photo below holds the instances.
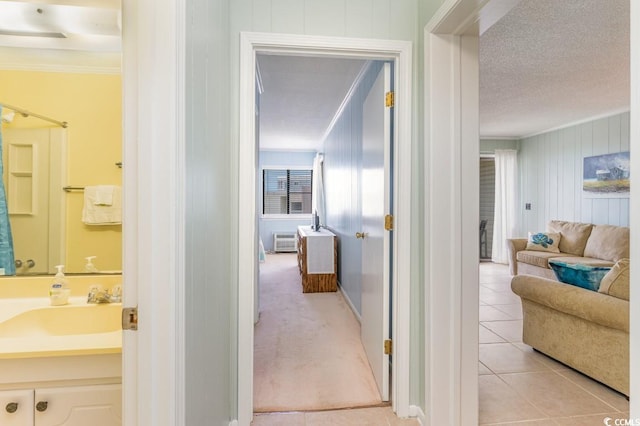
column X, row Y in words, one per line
column 98, row 295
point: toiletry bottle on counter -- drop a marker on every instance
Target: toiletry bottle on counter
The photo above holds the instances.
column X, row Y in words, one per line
column 59, row 291
column 90, row 267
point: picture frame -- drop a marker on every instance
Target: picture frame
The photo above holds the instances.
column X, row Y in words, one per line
column 606, row 176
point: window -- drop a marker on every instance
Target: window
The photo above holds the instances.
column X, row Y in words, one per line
column 286, row 191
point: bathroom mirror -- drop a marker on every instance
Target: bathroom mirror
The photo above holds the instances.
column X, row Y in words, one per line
column 85, row 153
column 80, row 84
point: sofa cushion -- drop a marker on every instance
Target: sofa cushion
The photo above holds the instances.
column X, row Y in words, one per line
column 589, row 261
column 536, row 258
column 574, row 235
column 544, row 241
column 580, row 275
column 616, row 282
column 608, row 242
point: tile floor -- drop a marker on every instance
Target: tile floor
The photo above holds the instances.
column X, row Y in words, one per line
column 517, row 385
column 521, row 387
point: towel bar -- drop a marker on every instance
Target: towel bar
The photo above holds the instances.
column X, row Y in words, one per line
column 73, row 188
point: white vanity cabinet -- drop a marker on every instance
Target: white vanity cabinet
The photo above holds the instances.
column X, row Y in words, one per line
column 16, row 407
column 96, row 405
column 99, row 405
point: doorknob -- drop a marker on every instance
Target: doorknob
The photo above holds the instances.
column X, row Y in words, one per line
column 361, row 235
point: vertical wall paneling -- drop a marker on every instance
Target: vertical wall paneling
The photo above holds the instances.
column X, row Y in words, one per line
column 615, row 133
column 343, row 164
column 287, row 16
column 260, row 10
column 401, row 21
column 210, row 300
column 321, row 17
column 489, row 146
column 568, row 172
column 586, row 141
column 552, row 145
column 381, row 12
column 554, row 162
column 358, row 17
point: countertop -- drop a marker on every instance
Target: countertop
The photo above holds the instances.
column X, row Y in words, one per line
column 53, row 346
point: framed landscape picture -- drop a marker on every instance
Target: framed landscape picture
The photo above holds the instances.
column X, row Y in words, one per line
column 606, row 176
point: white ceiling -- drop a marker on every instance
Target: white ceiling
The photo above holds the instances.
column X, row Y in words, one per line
column 300, row 98
column 549, row 63
column 546, row 64
column 83, row 35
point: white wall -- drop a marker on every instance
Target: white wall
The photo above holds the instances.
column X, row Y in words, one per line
column 551, row 174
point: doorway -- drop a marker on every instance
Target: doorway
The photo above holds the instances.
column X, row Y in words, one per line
column 35, row 212
column 487, row 206
column 346, row 97
column 400, row 53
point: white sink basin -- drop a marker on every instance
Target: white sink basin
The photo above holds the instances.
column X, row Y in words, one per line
column 63, row 321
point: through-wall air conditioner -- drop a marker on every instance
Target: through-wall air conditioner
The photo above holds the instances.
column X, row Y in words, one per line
column 284, row 242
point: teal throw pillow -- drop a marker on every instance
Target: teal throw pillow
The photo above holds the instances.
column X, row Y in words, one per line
column 544, row 241
column 580, row 275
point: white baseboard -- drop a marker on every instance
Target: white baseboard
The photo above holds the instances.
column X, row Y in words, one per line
column 353, row 308
column 415, row 411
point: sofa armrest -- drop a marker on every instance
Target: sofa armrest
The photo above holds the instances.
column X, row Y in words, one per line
column 590, row 305
column 514, row 245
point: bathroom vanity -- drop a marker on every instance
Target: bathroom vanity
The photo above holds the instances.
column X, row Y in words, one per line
column 59, row 364
column 76, row 400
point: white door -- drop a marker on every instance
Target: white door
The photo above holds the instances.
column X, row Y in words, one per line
column 33, row 170
column 376, row 203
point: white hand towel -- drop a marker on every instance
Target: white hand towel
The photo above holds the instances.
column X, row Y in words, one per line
column 104, row 195
column 102, row 205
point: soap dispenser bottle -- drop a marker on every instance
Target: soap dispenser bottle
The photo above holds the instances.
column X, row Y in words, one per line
column 90, row 267
column 59, row 291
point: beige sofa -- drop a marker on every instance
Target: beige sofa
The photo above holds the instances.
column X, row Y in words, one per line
column 584, row 329
column 584, row 243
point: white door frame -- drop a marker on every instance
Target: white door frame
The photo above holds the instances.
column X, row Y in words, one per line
column 451, row 117
column 153, row 80
column 398, row 51
column 634, row 214
column 451, row 163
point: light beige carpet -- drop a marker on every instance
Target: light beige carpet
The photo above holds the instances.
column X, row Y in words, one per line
column 307, row 349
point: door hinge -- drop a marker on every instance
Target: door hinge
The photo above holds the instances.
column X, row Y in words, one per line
column 388, row 347
column 130, row 318
column 388, row 222
column 389, row 100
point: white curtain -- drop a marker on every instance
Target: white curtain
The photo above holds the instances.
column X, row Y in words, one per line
column 317, row 191
column 505, row 212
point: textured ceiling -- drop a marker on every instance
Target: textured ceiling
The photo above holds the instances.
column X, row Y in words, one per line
column 549, row 63
column 301, row 96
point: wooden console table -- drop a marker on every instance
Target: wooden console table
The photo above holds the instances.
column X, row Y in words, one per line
column 317, row 260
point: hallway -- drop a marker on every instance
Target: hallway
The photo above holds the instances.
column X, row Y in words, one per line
column 307, row 349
